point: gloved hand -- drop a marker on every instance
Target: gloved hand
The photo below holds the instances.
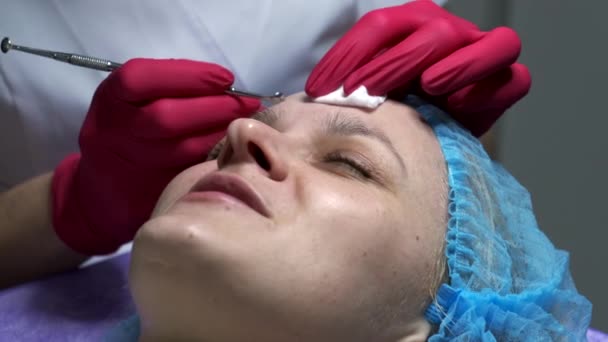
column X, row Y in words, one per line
column 148, row 121
column 421, row 47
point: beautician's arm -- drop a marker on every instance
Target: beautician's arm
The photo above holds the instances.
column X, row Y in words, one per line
column 112, row 166
column 29, row 247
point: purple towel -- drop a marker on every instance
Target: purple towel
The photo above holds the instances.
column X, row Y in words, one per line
column 83, row 305
column 596, row 336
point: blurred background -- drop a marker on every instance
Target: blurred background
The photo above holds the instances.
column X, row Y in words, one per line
column 554, row 141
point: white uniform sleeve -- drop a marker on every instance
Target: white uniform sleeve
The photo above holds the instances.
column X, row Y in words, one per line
column 365, row 6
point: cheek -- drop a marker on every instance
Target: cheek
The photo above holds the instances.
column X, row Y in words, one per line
column 369, row 243
column 354, row 234
column 180, row 185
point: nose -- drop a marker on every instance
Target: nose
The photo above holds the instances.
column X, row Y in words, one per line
column 251, row 141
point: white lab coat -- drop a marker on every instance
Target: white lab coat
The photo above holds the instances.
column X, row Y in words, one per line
column 269, row 45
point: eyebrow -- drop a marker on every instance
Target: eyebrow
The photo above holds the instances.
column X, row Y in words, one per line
column 342, row 124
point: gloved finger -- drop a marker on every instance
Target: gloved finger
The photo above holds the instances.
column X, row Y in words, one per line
column 479, row 105
column 374, row 32
column 497, row 50
column 401, row 64
column 142, row 80
column 177, row 153
column 171, row 118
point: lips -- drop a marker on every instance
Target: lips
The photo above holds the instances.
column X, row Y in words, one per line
column 233, row 186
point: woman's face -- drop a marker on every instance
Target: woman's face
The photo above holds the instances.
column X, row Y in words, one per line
column 316, row 223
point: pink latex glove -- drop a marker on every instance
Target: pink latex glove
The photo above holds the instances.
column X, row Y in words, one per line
column 422, row 48
column 148, row 121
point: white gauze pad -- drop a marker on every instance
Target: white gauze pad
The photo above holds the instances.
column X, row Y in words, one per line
column 358, row 98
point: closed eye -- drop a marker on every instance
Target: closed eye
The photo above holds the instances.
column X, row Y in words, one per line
column 354, row 166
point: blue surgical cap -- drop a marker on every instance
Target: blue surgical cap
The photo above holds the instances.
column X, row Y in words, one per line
column 507, row 282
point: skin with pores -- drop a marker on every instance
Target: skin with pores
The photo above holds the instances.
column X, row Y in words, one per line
column 344, row 254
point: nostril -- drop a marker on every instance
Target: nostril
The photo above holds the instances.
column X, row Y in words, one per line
column 259, row 156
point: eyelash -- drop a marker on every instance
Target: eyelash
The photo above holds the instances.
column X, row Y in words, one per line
column 362, row 170
column 339, row 157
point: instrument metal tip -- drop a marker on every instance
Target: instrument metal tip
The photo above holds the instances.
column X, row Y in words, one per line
column 6, row 44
